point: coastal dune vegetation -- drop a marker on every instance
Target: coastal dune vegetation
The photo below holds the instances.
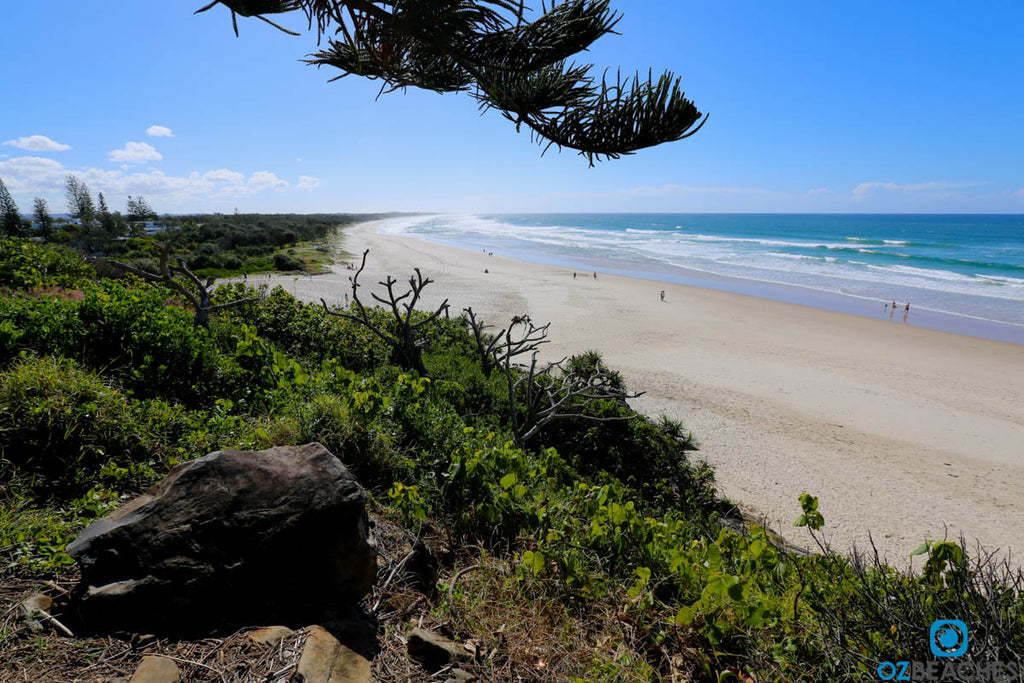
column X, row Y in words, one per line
column 593, row 548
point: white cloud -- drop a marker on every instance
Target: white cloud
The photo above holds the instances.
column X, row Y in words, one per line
column 33, row 176
column 160, row 132
column 265, row 180
column 37, row 143
column 30, row 165
column 136, row 153
column 223, row 175
column 865, row 188
column 308, row 183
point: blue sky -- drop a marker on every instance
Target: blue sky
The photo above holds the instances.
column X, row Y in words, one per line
column 815, row 107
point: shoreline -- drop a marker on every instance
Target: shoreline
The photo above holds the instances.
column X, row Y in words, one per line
column 903, row 433
column 820, row 298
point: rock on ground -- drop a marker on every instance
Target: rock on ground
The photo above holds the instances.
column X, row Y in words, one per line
column 325, row 660
column 234, row 537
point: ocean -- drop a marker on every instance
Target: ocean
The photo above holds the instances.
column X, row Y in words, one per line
column 959, row 273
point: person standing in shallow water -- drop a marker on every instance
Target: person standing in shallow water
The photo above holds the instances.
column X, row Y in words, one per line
column 892, row 310
column 906, row 312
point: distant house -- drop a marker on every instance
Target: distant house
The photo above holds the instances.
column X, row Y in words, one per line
column 57, row 223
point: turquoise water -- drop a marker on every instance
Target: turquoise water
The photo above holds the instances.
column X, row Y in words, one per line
column 961, row 273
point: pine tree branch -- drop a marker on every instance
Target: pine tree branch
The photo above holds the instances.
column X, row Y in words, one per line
column 511, row 64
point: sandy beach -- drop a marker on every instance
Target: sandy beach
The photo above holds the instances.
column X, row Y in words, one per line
column 902, row 432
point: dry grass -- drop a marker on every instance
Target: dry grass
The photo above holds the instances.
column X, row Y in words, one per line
column 511, row 630
column 33, row 651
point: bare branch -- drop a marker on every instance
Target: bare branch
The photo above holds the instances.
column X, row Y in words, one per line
column 199, row 298
column 406, row 343
column 384, row 336
column 539, row 395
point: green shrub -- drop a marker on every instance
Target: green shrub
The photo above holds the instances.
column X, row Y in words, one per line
column 863, row 611
column 632, row 449
column 45, row 324
column 305, row 330
column 134, row 333
column 492, row 491
column 25, row 265
column 355, row 433
column 460, row 381
column 286, row 262
column 60, row 425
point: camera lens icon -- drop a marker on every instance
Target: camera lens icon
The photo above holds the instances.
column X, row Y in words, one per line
column 948, row 638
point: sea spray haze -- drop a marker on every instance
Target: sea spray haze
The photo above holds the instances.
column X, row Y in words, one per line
column 962, row 273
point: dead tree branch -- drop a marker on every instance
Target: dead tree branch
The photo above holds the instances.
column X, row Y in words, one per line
column 495, row 350
column 539, row 395
column 406, row 341
column 558, row 391
column 200, row 294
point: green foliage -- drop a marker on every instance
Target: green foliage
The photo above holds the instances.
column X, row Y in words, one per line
column 273, row 375
column 492, row 490
column 353, row 425
column 62, row 429
column 304, row 330
column 100, row 397
column 811, row 518
column 27, row 265
column 942, row 556
column 35, row 540
column 10, row 217
column 864, row 611
column 632, row 449
column 408, row 501
column 460, row 382
column 131, row 333
column 286, row 262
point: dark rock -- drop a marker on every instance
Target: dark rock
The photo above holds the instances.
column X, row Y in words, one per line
column 421, row 567
column 434, row 651
column 234, row 537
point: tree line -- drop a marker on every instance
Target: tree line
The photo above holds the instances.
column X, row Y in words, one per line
column 96, row 223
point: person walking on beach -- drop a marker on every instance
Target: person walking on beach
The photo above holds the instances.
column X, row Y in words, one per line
column 574, row 275
column 663, row 295
column 595, row 274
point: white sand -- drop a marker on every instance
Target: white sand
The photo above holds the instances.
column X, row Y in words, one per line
column 902, row 432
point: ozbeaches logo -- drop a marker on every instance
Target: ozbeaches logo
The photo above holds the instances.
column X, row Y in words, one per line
column 948, row 639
